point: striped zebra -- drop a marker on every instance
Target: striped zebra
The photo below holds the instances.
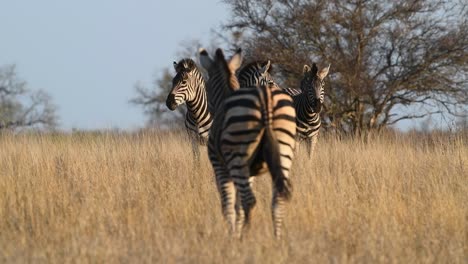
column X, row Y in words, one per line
column 250, row 74
column 253, row 132
column 215, row 94
column 188, row 86
column 308, row 104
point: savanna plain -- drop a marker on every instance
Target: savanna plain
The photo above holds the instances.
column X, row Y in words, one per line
column 111, row 197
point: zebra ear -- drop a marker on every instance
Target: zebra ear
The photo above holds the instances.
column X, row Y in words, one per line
column 266, row 68
column 205, row 60
column 236, row 61
column 323, row 73
column 314, row 69
column 175, row 65
column 306, row 68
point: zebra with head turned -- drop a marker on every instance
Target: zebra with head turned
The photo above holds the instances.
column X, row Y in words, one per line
column 308, row 104
column 253, row 131
column 188, row 86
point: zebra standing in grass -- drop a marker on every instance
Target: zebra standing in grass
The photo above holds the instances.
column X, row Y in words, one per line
column 188, row 86
column 308, row 104
column 253, row 131
column 249, row 76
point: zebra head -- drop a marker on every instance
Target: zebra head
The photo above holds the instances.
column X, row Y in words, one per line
column 312, row 84
column 250, row 74
column 182, row 84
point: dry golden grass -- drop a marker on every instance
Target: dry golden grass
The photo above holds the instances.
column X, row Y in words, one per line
column 106, row 198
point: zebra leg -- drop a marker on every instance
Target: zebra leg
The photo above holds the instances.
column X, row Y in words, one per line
column 195, row 150
column 252, row 200
column 227, row 193
column 313, row 145
column 195, row 141
column 240, row 216
column 308, row 142
column 239, row 172
column 278, row 210
column 247, row 198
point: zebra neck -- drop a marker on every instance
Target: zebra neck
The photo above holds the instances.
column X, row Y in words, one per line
column 313, row 103
column 197, row 108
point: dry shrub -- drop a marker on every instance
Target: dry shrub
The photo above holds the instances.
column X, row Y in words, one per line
column 117, row 197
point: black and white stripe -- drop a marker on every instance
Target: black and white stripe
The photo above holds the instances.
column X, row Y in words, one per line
column 308, row 104
column 250, row 74
column 188, row 86
column 292, row 91
column 253, row 132
column 215, row 94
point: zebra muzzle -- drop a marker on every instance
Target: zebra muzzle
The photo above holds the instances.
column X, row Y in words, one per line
column 170, row 102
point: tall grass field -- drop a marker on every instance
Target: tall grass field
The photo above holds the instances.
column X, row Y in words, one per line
column 141, row 198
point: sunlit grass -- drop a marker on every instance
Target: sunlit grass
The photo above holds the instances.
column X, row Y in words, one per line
column 110, row 197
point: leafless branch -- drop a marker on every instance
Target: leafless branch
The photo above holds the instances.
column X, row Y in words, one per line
column 21, row 107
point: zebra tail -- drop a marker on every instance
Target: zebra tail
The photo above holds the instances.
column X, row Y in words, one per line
column 271, row 150
column 273, row 159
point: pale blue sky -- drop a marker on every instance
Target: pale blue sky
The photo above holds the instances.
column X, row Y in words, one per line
column 89, row 54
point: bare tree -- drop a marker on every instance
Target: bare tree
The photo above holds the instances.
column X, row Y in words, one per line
column 21, row 107
column 153, row 101
column 390, row 60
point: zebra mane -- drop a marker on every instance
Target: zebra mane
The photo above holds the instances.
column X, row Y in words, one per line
column 221, row 60
column 185, row 65
column 258, row 64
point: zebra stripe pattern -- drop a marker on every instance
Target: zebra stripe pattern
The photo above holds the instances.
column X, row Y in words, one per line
column 216, row 95
column 308, row 104
column 188, row 86
column 292, row 91
column 253, row 132
column 248, row 77
column 250, row 74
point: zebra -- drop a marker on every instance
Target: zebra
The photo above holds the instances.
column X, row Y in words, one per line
column 308, row 104
column 215, row 95
column 253, row 132
column 249, row 75
column 188, row 86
